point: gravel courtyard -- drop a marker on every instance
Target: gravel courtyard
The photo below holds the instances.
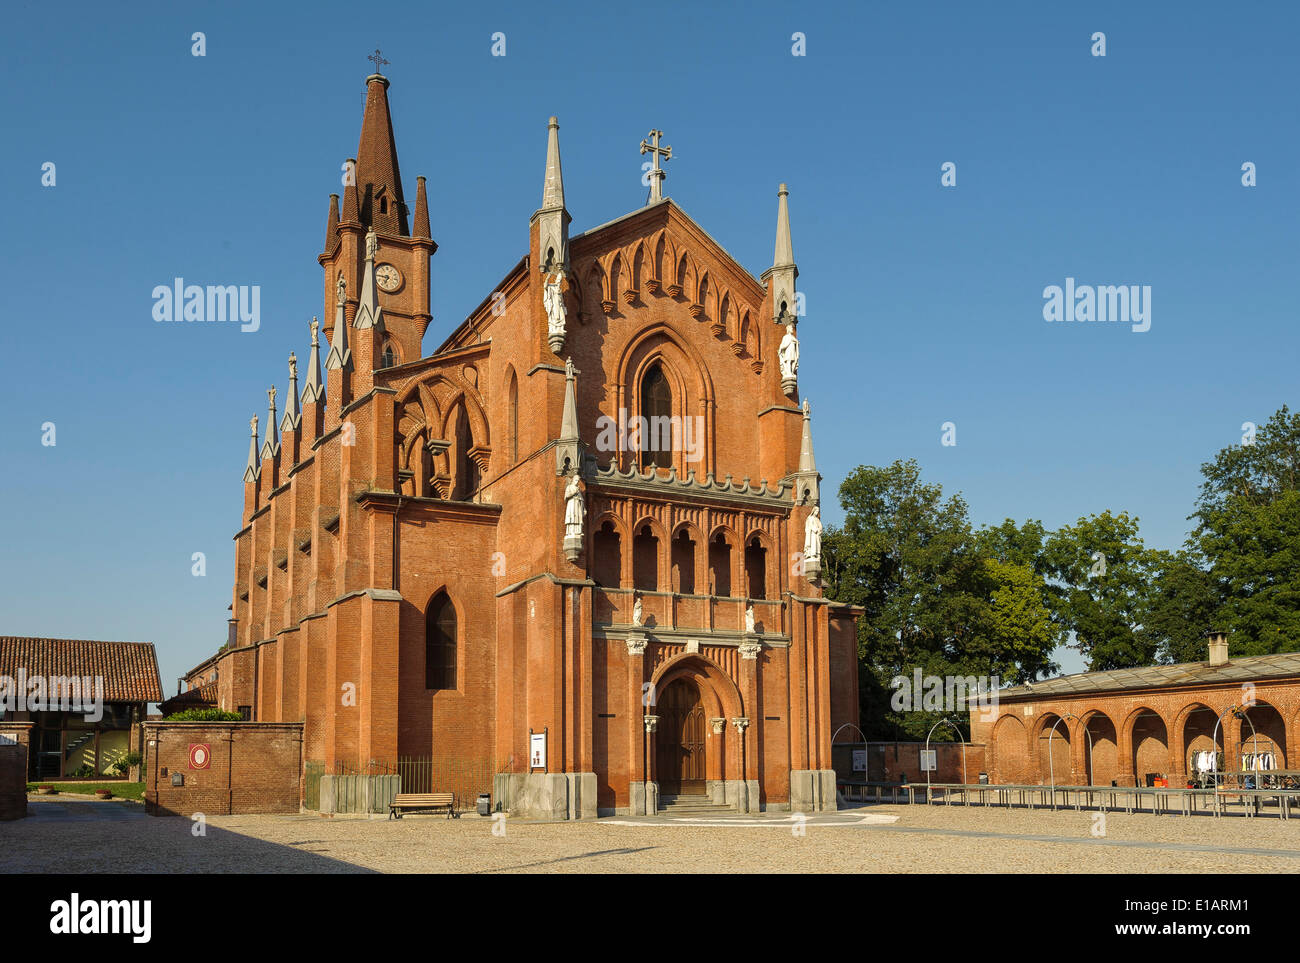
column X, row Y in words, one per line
column 87, row 837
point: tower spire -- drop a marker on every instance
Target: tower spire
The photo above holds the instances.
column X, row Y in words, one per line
column 379, row 180
column 332, row 225
column 368, row 313
column 806, row 460
column 340, row 355
column 552, row 218
column 421, row 226
column 253, row 468
column 553, row 188
column 292, row 415
column 570, row 452
column 780, row 277
column 271, row 447
column 313, row 391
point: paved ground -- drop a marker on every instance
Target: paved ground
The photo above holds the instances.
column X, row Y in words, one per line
column 81, row 837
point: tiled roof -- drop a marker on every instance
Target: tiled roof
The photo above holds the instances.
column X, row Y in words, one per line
column 1243, row 669
column 202, row 697
column 129, row 669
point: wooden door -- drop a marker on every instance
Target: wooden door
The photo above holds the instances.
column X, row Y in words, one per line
column 679, row 757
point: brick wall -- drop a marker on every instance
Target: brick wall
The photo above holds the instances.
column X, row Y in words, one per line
column 254, row 767
column 14, row 742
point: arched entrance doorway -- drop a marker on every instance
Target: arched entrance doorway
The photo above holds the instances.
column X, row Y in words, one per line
column 679, row 741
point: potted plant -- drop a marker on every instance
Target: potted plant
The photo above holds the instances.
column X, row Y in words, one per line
column 46, row 790
column 104, row 793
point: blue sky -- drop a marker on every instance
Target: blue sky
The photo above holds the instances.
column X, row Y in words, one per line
column 924, row 302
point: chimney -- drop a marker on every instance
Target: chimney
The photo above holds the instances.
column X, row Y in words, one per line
column 1218, row 647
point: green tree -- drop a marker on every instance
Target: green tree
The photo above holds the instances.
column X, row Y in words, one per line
column 932, row 599
column 1101, row 582
column 1183, row 605
column 1248, row 530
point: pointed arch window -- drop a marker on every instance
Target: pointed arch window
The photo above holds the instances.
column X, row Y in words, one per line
column 387, row 359
column 440, row 644
column 657, row 410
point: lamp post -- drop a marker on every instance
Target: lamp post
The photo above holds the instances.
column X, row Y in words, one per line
column 949, row 722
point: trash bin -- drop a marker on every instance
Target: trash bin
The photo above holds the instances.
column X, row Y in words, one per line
column 484, row 806
column 984, row 779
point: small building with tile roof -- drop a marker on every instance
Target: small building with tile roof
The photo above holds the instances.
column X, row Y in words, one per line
column 84, row 698
column 1138, row 726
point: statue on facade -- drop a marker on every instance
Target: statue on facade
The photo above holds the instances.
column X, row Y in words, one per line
column 556, row 314
column 575, row 509
column 342, row 289
column 788, row 356
column 812, row 536
column 636, row 610
column 749, row 617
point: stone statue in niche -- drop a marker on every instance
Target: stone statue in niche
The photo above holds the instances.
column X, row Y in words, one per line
column 556, row 314
column 788, row 354
column 575, row 511
column 636, row 611
column 749, row 617
column 812, row 536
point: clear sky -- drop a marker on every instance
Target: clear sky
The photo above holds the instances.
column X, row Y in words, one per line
column 924, row 303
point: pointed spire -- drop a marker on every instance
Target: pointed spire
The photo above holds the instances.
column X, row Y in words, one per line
column 553, row 188
column 569, row 425
column 421, row 226
column 253, row 469
column 313, row 392
column 368, row 313
column 784, row 251
column 340, row 355
column 271, row 447
column 351, row 199
column 332, row 225
column 292, row 416
column 378, row 177
column 806, row 460
column 552, row 218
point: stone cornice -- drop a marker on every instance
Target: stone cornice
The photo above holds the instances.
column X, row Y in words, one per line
column 611, row 478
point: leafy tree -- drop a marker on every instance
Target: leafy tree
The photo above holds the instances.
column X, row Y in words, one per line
column 1183, row 605
column 933, row 599
column 1101, row 574
column 1248, row 530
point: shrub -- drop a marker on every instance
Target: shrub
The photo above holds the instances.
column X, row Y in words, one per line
column 204, row 715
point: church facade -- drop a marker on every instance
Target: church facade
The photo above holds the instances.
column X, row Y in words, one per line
column 577, row 545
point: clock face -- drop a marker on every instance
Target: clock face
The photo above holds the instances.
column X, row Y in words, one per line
column 388, row 277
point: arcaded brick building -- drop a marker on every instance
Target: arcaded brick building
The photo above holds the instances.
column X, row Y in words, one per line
column 590, row 514
column 1130, row 726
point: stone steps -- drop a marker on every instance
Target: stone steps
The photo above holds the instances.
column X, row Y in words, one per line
column 692, row 806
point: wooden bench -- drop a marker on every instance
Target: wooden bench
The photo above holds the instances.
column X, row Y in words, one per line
column 422, row 802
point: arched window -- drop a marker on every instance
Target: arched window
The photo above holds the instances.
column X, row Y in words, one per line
column 440, row 644
column 657, row 410
column 387, row 360
column 467, row 480
column 608, row 571
column 720, row 566
column 684, row 563
column 645, row 560
column 756, row 568
column 512, row 432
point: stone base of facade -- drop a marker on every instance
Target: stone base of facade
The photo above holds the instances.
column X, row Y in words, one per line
column 812, row 791
column 641, row 795
column 740, row 794
column 545, row 795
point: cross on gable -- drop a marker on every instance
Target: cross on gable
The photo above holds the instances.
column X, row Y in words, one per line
column 657, row 173
column 377, row 59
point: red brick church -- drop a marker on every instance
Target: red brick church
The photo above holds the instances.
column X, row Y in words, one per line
column 576, row 545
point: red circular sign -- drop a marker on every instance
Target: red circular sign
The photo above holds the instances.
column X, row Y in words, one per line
column 200, row 756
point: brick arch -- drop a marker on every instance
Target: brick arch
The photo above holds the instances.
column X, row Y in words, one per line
column 720, row 696
column 1010, row 745
column 687, row 374
column 1052, row 761
column 1097, row 758
column 699, row 560
column 663, row 558
column 1140, row 757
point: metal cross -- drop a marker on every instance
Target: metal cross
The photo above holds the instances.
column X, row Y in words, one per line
column 657, row 173
column 377, row 59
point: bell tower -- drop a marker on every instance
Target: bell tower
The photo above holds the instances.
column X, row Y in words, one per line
column 398, row 253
